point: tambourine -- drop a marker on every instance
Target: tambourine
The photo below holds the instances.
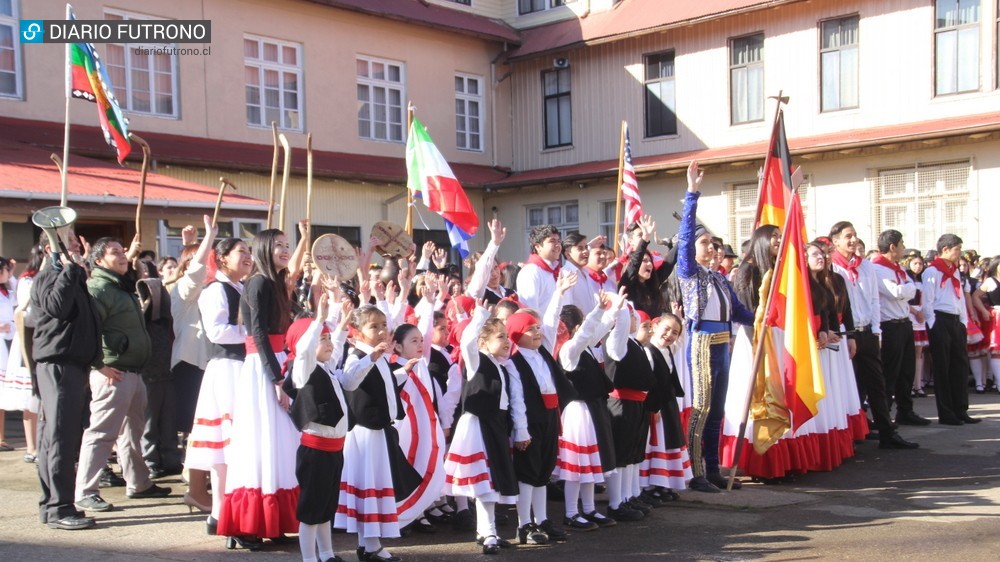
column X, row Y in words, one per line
column 392, row 240
column 335, row 256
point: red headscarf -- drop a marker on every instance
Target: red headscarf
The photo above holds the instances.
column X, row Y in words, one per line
column 455, row 339
column 292, row 337
column 519, row 323
column 464, row 303
column 643, row 317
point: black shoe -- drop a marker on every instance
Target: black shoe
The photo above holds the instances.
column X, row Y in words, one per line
column 722, row 482
column 441, row 517
column 554, row 533
column 580, row 523
column 897, row 442
column 638, row 505
column 969, row 419
column 625, row 513
column 211, row 525
column 504, row 543
column 668, row 495
column 950, row 421
column 872, row 435
column 335, row 559
column 422, row 525
column 284, row 539
column 72, row 523
column 153, row 491
column 373, row 556
column 464, row 521
column 531, row 534
column 701, row 484
column 252, row 544
column 109, row 479
column 911, row 418
column 491, row 545
column 602, row 521
column 649, row 498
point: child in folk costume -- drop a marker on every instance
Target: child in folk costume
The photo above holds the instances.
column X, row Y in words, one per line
column 261, row 488
column 479, row 463
column 377, row 475
column 541, row 382
column 667, row 464
column 631, row 372
column 586, row 448
column 319, row 411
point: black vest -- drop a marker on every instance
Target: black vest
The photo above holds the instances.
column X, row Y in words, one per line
column 234, row 351
column 633, row 371
column 481, row 396
column 438, row 367
column 668, row 386
column 533, row 402
column 992, row 297
column 315, row 402
column 589, row 379
column 368, row 404
column 493, row 298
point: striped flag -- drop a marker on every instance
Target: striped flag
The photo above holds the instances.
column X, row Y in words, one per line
column 776, row 179
column 630, row 186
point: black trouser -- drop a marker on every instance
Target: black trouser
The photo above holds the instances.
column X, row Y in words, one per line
column 950, row 357
column 63, row 392
column 899, row 358
column 868, row 369
column 187, row 385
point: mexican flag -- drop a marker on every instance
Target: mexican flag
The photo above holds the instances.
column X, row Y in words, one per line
column 89, row 81
column 430, row 175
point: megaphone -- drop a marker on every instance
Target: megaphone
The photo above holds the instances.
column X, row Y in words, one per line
column 56, row 223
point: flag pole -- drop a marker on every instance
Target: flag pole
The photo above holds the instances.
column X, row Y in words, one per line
column 142, row 183
column 274, row 173
column 618, row 196
column 284, row 179
column 409, row 194
column 309, row 185
column 64, row 180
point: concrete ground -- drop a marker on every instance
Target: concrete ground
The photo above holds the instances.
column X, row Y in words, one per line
column 941, row 502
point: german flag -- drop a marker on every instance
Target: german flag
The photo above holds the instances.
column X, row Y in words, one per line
column 791, row 310
column 776, row 181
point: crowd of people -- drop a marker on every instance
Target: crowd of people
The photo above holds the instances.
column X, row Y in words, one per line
column 404, row 399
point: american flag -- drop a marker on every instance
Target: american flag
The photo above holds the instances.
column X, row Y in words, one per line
column 630, row 186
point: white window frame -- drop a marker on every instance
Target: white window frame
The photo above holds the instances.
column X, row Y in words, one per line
column 658, row 82
column 169, row 238
column 545, row 6
column 288, row 119
column 958, row 62
column 369, row 83
column 463, row 138
column 565, row 227
column 743, row 71
column 607, row 227
column 739, row 215
column 125, row 91
column 12, row 21
column 835, row 55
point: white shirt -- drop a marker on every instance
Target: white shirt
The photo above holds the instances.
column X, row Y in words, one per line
column 535, row 286
column 190, row 344
column 357, row 368
column 584, row 293
column 713, row 305
column 864, row 295
column 481, row 275
column 214, row 308
column 509, row 398
column 546, row 385
column 894, row 296
column 941, row 299
column 595, row 326
column 304, row 365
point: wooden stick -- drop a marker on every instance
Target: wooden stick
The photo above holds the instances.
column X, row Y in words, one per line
column 309, row 185
column 618, row 196
column 409, row 194
column 274, row 173
column 218, row 202
column 142, row 183
column 59, row 165
column 284, row 179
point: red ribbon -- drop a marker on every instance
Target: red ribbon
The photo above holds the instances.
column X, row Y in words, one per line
column 629, row 394
column 551, row 401
column 328, row 444
column 948, row 271
column 879, row 259
column 537, row 260
column 277, row 343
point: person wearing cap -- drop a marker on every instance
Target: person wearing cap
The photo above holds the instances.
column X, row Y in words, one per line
column 895, row 291
column 66, row 342
column 710, row 308
column 728, row 260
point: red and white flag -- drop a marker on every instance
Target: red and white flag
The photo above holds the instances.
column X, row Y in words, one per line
column 630, row 186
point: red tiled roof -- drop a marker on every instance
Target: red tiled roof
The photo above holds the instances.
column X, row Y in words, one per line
column 422, row 13
column 859, row 138
column 629, row 18
column 29, row 171
column 191, row 151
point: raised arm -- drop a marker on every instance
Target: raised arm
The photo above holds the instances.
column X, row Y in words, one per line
column 686, row 264
column 617, row 344
column 470, row 339
column 550, row 319
column 484, row 266
column 589, row 333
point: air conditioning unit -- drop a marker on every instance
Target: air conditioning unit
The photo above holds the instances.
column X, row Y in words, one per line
column 560, row 62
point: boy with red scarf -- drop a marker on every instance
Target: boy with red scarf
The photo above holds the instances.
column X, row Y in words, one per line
column 536, row 282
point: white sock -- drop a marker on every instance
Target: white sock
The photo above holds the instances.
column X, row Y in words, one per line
column 461, row 502
column 626, row 485
column 587, row 497
column 539, row 499
column 995, row 367
column 218, row 478
column 977, row 371
column 307, row 541
column 324, row 540
column 614, row 482
column 523, row 504
column 372, row 544
column 635, row 481
column 486, row 523
column 571, row 491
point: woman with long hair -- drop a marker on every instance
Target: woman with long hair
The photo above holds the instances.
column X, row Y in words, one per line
column 261, row 487
column 988, row 293
column 641, row 278
column 913, row 263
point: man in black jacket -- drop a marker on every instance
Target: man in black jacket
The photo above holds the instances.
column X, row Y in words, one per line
column 65, row 344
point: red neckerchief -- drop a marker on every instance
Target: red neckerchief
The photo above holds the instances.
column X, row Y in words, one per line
column 3, row 289
column 948, row 271
column 879, row 259
column 537, row 260
column 598, row 276
column 851, row 266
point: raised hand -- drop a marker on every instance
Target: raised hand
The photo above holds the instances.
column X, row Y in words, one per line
column 427, row 251
column 390, row 292
column 597, row 241
column 618, row 299
column 378, row 350
column 648, row 226
column 440, row 258
column 210, row 229
column 189, row 235
column 603, row 299
column 497, row 231
column 323, row 308
column 694, row 176
column 411, row 364
column 565, row 282
column 303, row 229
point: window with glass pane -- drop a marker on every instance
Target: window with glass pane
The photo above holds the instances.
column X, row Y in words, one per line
column 273, row 74
column 468, row 112
column 380, row 99
column 925, row 200
column 10, row 50
column 564, row 216
column 558, row 110
column 956, row 46
column 746, row 78
column 839, row 63
column 143, row 80
column 531, row 6
column 661, row 111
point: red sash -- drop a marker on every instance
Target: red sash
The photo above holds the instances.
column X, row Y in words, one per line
column 629, row 394
column 948, row 271
column 328, row 444
column 879, row 259
column 551, row 401
column 277, row 343
column 537, row 260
